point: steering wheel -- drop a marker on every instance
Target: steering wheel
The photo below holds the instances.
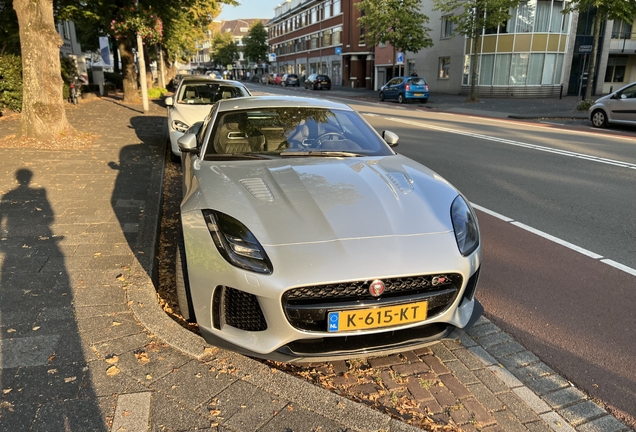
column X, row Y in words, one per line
column 322, row 137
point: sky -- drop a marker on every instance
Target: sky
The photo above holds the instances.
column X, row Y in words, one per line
column 250, row 9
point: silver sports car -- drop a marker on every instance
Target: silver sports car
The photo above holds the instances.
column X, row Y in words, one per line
column 307, row 238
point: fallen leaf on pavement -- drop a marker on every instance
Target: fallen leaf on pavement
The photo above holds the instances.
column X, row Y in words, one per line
column 112, row 371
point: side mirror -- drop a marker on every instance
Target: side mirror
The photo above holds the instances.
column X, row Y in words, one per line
column 623, row 96
column 169, row 101
column 390, row 138
column 188, row 143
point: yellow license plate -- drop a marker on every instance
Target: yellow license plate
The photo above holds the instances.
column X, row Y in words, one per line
column 363, row 319
column 418, row 94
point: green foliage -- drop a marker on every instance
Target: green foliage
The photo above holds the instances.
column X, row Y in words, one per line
column 608, row 9
column 10, row 83
column 69, row 69
column 225, row 49
column 256, row 43
column 584, row 105
column 156, row 92
column 9, row 32
column 135, row 20
column 396, row 22
column 470, row 17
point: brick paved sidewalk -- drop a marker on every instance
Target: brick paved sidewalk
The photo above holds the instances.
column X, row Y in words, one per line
column 84, row 345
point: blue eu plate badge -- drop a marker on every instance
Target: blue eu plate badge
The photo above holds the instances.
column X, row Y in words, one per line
column 333, row 321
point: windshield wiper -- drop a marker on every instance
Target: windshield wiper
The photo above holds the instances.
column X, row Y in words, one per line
column 239, row 156
column 327, row 153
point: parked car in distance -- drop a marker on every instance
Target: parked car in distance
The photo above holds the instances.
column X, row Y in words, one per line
column 618, row 107
column 214, row 74
column 290, row 80
column 191, row 103
column 405, row 89
column 305, row 237
column 318, row 82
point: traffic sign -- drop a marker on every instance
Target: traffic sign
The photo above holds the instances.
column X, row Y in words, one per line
column 272, row 57
column 400, row 58
column 585, row 49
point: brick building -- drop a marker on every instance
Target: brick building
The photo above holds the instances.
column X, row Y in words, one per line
column 321, row 36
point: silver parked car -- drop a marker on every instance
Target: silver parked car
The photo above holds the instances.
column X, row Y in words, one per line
column 307, row 238
column 192, row 101
column 618, row 107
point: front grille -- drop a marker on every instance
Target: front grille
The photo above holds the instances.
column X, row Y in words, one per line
column 238, row 309
column 306, row 308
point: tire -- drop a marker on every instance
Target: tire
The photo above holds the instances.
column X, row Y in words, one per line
column 599, row 118
column 401, row 98
column 381, row 96
column 183, row 283
column 173, row 157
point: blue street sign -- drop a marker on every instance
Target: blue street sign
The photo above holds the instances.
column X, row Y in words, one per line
column 338, row 50
column 400, row 58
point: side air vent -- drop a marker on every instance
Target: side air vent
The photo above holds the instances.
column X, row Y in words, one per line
column 258, row 189
column 401, row 182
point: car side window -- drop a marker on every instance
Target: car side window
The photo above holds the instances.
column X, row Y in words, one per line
column 629, row 92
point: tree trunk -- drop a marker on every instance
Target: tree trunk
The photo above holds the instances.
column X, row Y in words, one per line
column 394, row 60
column 43, row 113
column 128, row 69
column 591, row 70
column 472, row 97
column 150, row 81
column 116, row 68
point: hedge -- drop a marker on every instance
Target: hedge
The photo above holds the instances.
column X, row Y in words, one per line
column 10, row 83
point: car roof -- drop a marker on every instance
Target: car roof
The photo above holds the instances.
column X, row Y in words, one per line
column 255, row 102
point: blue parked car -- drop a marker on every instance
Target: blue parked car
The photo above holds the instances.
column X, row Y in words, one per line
column 405, row 89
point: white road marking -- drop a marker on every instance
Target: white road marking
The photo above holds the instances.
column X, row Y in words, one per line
column 557, row 240
column 583, row 156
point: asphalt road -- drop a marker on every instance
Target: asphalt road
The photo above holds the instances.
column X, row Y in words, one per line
column 568, row 298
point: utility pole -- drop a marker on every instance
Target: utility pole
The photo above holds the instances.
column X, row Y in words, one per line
column 142, row 69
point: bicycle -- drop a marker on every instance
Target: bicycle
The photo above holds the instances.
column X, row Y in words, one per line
column 74, row 93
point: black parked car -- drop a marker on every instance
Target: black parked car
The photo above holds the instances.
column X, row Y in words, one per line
column 318, row 82
column 290, row 80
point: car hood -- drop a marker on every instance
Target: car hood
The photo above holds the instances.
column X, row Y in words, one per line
column 190, row 113
column 304, row 200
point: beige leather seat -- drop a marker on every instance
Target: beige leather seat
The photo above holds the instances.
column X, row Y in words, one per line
column 233, row 140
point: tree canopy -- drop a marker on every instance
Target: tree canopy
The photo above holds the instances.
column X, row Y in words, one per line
column 396, row 22
column 226, row 52
column 470, row 18
column 256, row 43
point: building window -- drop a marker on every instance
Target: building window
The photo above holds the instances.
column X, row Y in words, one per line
column 336, row 7
column 326, row 39
column 616, row 65
column 447, row 27
column 444, row 68
column 361, row 42
column 621, row 30
column 328, row 9
column 314, row 39
column 314, row 15
column 336, row 36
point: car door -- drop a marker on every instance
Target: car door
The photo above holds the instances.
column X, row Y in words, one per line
column 393, row 88
column 623, row 108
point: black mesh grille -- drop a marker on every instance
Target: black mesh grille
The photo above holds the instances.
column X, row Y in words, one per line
column 306, row 308
column 360, row 289
column 242, row 310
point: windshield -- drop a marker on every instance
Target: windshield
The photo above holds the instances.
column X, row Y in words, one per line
column 294, row 132
column 417, row 81
column 208, row 93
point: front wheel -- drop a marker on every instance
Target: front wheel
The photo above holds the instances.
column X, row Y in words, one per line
column 599, row 119
column 183, row 283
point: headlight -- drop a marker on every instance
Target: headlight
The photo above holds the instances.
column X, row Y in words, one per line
column 180, row 126
column 236, row 243
column 465, row 226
